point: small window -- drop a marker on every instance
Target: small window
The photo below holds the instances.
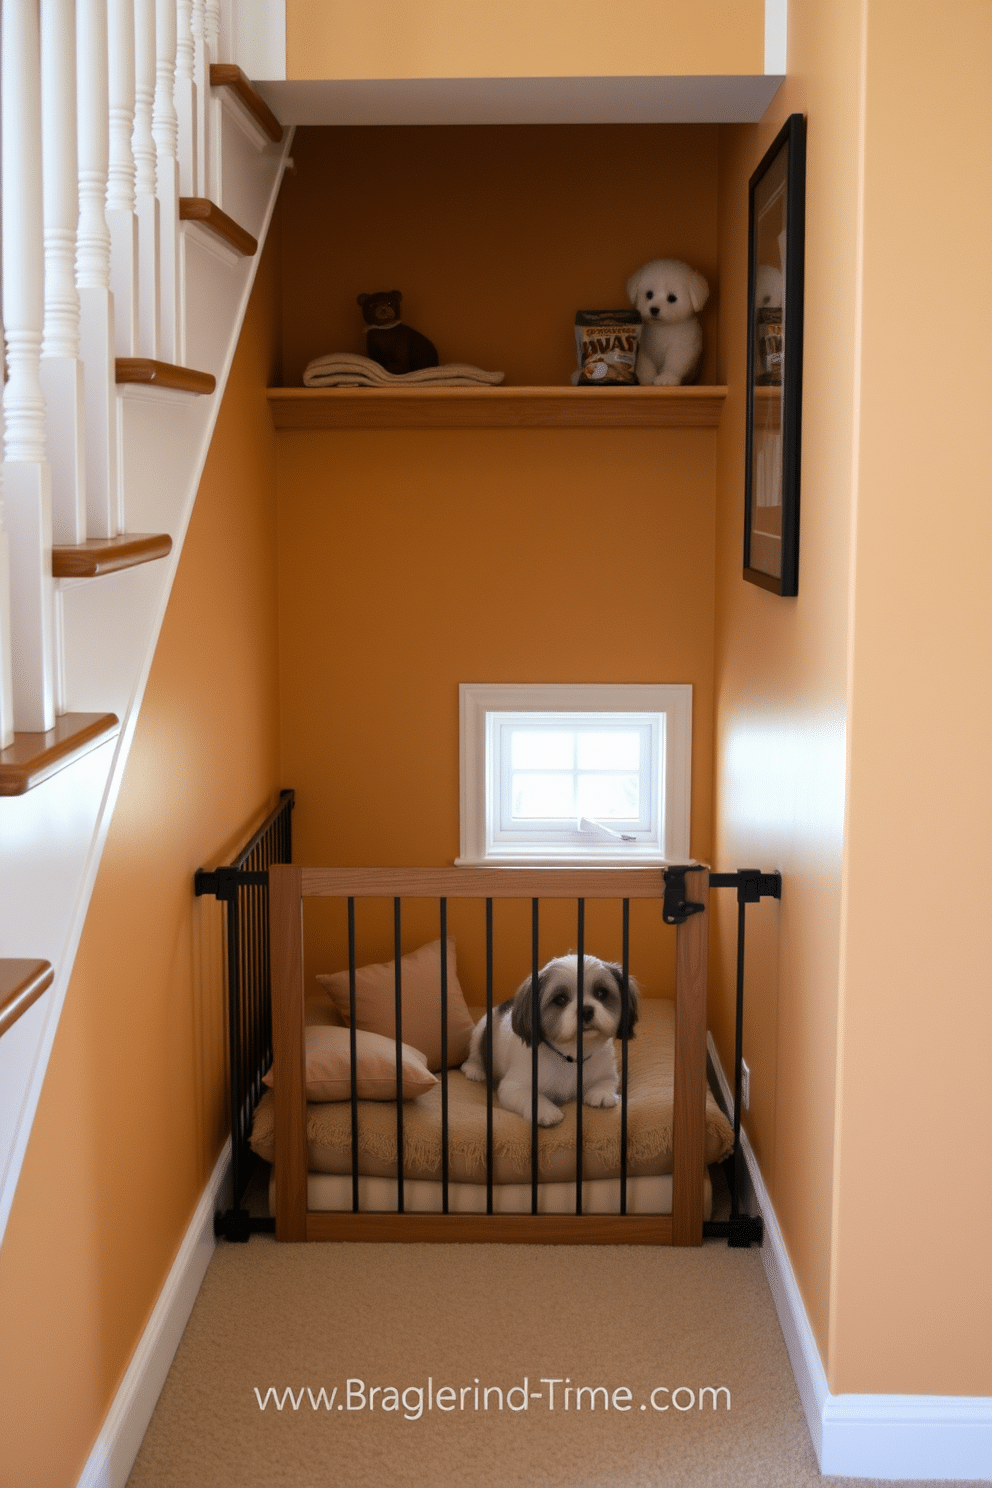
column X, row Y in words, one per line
column 581, row 773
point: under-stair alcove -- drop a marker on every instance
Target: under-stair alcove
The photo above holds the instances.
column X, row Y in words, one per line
column 526, row 547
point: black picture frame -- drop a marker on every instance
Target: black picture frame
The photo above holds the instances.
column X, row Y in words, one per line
column 776, row 255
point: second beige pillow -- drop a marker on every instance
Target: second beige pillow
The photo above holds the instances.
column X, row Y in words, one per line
column 375, row 1002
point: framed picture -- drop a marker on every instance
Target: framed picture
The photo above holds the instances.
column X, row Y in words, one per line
column 776, row 232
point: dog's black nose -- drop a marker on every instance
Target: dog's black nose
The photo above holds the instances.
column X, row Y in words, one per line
column 588, row 1014
column 654, row 309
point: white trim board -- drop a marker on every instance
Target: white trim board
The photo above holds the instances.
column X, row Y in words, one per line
column 901, row 1437
column 112, row 1458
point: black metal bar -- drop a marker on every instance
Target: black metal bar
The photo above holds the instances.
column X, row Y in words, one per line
column 397, row 957
column 489, row 1056
column 353, row 1030
column 625, row 1035
column 234, row 1032
column 535, row 1039
column 738, row 1061
column 751, row 885
column 444, row 1056
column 579, row 1032
column 243, row 887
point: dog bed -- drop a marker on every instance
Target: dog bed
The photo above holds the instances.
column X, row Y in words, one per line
column 650, row 1106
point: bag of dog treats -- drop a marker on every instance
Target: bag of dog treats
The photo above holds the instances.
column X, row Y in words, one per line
column 606, row 343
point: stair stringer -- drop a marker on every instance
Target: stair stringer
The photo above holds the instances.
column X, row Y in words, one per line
column 52, row 838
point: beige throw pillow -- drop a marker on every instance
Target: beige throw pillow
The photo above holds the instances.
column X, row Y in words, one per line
column 329, row 1066
column 375, row 1002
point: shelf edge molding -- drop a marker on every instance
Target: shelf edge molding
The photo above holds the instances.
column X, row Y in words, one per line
column 496, row 407
column 34, row 757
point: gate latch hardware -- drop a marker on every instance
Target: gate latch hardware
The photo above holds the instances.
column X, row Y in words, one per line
column 677, row 908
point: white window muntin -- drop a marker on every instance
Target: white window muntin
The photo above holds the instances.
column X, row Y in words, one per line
column 479, row 798
column 504, row 730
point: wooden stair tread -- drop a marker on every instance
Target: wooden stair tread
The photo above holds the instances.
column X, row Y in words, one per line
column 163, row 374
column 33, row 757
column 200, row 209
column 228, row 75
column 21, row 983
column 426, row 407
column 103, row 555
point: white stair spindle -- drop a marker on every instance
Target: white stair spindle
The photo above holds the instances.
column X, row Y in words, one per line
column 186, row 110
column 27, row 482
column 201, row 77
column 61, row 371
column 166, row 132
column 215, row 108
column 121, row 219
column 6, row 680
column 143, row 146
column 96, row 303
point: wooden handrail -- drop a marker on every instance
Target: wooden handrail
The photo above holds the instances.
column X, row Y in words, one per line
column 209, row 215
column 21, row 983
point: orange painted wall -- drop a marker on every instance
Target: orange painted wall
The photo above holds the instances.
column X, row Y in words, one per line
column 133, row 1111
column 496, row 236
column 522, row 38
column 853, row 722
column 412, row 561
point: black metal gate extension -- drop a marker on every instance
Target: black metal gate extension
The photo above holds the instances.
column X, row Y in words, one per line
column 244, row 888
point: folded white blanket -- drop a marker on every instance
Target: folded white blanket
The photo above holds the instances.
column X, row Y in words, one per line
column 347, row 369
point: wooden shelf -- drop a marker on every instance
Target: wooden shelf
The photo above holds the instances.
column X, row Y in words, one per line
column 103, row 555
column 497, row 408
column 163, row 374
column 207, row 214
column 227, row 75
column 32, row 758
column 21, row 984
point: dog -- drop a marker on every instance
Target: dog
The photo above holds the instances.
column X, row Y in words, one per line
column 604, row 1018
column 669, row 295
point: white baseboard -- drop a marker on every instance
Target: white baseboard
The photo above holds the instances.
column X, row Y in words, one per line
column 901, row 1437
column 113, row 1454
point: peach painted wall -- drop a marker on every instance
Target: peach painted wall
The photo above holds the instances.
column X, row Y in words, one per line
column 781, row 664
column 913, row 1309
column 495, row 236
column 522, row 38
column 133, row 1111
column 868, row 1016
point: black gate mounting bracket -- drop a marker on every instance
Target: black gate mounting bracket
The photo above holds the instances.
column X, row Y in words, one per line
column 224, row 883
column 677, row 908
column 751, row 884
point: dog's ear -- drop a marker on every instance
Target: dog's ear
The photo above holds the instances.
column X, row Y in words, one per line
column 699, row 291
column 633, row 285
column 630, row 1015
column 522, row 1015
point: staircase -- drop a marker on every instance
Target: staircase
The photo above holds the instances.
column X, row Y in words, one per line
column 139, row 175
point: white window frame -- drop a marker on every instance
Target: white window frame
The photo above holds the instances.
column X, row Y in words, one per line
column 480, row 703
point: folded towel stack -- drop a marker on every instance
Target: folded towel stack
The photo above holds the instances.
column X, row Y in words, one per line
column 347, row 369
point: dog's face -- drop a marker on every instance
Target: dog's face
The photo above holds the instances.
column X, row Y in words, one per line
column 668, row 291
column 558, row 1001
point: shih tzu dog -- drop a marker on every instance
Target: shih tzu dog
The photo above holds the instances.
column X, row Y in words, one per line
column 603, row 1019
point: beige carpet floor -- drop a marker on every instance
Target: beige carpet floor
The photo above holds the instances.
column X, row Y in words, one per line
column 299, row 1317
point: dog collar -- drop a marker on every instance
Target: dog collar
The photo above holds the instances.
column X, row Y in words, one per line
column 569, row 1058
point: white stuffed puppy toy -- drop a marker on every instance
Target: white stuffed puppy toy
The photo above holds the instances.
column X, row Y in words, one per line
column 668, row 295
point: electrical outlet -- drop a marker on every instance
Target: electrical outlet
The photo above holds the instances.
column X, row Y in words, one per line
column 745, row 1087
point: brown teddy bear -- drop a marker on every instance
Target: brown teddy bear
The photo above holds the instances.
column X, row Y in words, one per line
column 395, row 346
